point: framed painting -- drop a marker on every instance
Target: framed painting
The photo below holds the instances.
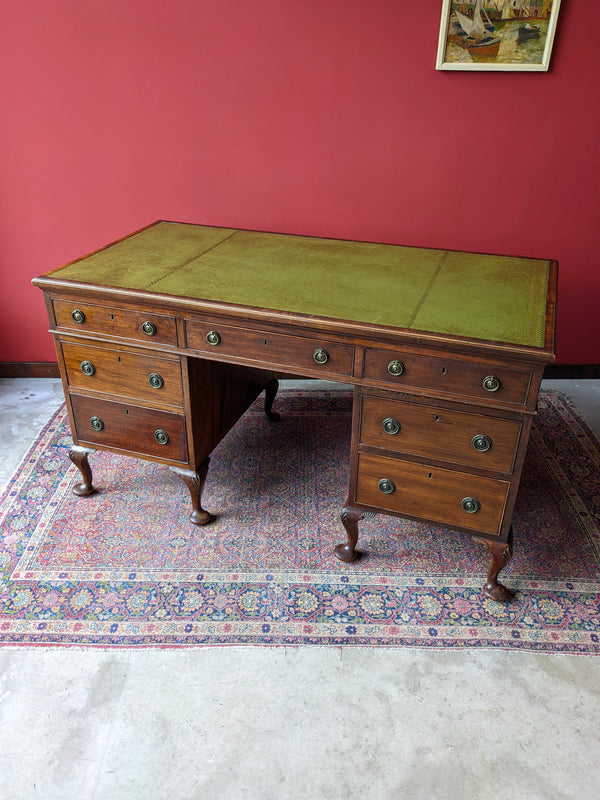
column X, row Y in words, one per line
column 497, row 34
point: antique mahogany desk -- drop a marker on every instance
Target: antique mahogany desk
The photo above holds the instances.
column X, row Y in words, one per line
column 165, row 338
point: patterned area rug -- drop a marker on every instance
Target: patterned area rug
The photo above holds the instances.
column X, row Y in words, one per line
column 124, row 567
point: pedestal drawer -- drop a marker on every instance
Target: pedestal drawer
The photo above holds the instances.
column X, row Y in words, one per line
column 110, row 321
column 122, row 372
column 132, row 428
column 440, row 495
column 273, row 349
column 487, row 382
column 458, row 437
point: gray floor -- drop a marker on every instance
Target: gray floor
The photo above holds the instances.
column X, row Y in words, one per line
column 266, row 724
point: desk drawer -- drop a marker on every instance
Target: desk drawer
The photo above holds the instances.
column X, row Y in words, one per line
column 124, row 373
column 474, row 440
column 440, row 495
column 137, row 430
column 118, row 322
column 273, row 349
column 489, row 383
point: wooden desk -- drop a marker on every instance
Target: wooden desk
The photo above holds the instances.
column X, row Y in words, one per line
column 165, row 338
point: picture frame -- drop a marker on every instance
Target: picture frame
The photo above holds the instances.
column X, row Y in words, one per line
column 509, row 35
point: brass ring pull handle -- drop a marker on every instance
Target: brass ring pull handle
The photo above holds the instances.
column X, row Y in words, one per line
column 470, row 505
column 88, row 368
column 491, row 383
column 96, row 423
column 155, row 380
column 78, row 316
column 162, row 437
column 149, row 328
column 481, row 443
column 391, row 426
column 395, row 368
column 321, row 356
column 212, row 337
column 386, row 486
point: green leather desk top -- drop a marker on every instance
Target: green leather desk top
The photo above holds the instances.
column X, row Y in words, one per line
column 496, row 298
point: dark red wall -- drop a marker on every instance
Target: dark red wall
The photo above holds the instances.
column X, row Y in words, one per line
column 305, row 116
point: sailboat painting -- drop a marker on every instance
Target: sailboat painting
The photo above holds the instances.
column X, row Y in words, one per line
column 497, row 34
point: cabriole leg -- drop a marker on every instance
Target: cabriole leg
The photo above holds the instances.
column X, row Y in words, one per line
column 270, row 391
column 350, row 518
column 194, row 480
column 501, row 555
column 79, row 457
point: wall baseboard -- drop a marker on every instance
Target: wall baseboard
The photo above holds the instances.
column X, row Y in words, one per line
column 29, row 369
column 572, row 371
column 49, row 369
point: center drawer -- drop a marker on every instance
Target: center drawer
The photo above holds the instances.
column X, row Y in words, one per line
column 124, row 373
column 474, row 440
column 279, row 350
column 131, row 428
column 425, row 492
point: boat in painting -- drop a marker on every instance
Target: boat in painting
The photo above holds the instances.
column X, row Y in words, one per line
column 527, row 32
column 473, row 33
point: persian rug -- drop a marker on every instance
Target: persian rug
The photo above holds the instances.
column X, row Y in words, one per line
column 124, row 567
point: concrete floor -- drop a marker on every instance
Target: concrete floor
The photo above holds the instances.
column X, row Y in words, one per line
column 290, row 723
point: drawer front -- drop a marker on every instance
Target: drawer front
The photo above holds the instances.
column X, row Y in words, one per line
column 274, row 349
column 137, row 430
column 440, row 495
column 448, row 376
column 119, row 322
column 123, row 373
column 458, row 437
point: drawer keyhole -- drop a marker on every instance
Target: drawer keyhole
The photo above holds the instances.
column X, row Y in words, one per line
column 443, row 370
